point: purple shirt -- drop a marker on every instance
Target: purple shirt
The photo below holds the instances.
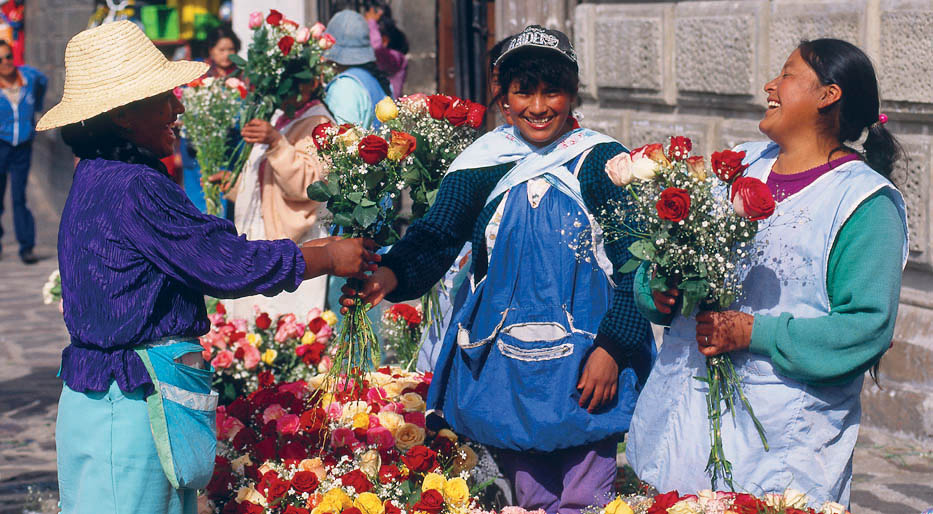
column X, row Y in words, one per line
column 392, row 62
column 782, row 186
column 136, row 259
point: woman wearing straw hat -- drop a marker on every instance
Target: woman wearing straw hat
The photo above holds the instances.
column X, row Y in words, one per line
column 135, row 419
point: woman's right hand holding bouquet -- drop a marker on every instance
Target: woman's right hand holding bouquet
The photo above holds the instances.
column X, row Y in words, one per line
column 345, row 257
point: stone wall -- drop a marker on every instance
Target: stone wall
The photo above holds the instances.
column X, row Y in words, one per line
column 697, row 68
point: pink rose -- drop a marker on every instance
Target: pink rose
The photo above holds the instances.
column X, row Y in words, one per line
column 227, row 426
column 619, row 169
column 324, row 333
column 314, row 312
column 303, row 35
column 251, row 356
column 223, row 359
column 415, row 418
column 206, row 355
column 287, row 424
column 297, row 389
column 326, row 41
column 380, row 436
column 273, row 412
column 325, row 365
column 393, row 407
column 334, row 411
column 290, row 24
column 240, row 325
column 317, row 30
column 343, row 436
column 177, row 92
column 376, row 395
column 255, row 19
column 215, row 318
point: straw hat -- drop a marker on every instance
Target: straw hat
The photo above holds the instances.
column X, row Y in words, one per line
column 113, row 65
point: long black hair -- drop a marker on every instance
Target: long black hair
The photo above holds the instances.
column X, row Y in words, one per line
column 844, row 64
column 536, row 66
column 223, row 31
column 100, row 138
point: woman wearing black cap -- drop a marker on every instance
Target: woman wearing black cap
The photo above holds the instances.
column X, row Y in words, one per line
column 545, row 358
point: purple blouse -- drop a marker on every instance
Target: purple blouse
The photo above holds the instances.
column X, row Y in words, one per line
column 136, row 259
column 782, row 186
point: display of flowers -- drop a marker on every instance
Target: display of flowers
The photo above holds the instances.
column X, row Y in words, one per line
column 212, row 109
column 718, row 502
column 696, row 230
column 365, row 449
column 248, row 355
column 281, row 57
column 401, row 333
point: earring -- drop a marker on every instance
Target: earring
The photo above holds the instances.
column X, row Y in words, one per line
column 505, row 106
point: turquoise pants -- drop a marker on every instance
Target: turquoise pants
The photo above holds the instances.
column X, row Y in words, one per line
column 107, row 460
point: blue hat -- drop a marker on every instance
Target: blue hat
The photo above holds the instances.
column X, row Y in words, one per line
column 351, row 33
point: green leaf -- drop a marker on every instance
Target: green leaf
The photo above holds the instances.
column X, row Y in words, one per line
column 239, row 61
column 630, row 265
column 304, row 75
column 366, row 202
column 343, row 219
column 285, row 86
column 355, row 197
column 319, row 192
column 411, row 175
column 365, row 216
column 643, row 249
column 431, row 196
column 659, row 283
column 374, row 177
column 694, row 292
column 726, row 300
column 333, row 188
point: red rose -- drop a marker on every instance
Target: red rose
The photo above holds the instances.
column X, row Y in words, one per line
column 249, row 508
column 679, row 148
column 221, row 482
column 357, row 480
column 420, row 459
column 476, row 115
column 728, row 164
column 457, row 113
column 263, row 321
column 274, row 18
column 388, row 474
column 431, row 502
column 747, row 504
column 320, row 136
column 391, row 508
column 273, row 487
column 240, row 409
column 294, row 450
column 291, row 509
column 662, row 502
column 752, row 199
column 220, row 309
column 244, row 439
column 265, row 449
column 285, row 44
column 311, row 353
column 373, row 149
column 674, row 204
column 438, row 104
column 305, row 482
column 266, row 379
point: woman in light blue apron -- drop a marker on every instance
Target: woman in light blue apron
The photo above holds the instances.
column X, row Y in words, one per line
column 545, row 358
column 819, row 297
column 135, row 429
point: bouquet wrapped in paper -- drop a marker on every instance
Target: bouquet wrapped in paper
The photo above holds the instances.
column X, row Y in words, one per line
column 694, row 228
column 212, row 110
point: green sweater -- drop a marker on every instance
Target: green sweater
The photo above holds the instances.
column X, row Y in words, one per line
column 864, row 283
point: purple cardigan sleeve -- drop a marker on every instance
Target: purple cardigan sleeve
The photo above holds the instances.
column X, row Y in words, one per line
column 202, row 251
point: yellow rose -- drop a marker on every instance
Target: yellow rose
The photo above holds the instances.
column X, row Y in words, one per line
column 408, row 436
column 329, row 317
column 412, row 402
column 351, row 409
column 378, row 379
column 338, row 497
column 795, row 499
column 618, row 506
column 456, row 491
column 833, row 508
column 250, row 495
column 253, row 339
column 393, row 389
column 348, row 139
column 391, row 421
column 369, row 503
column 433, row 481
column 386, row 110
column 370, row 463
column 361, row 420
column 329, row 505
column 465, row 460
column 401, row 145
column 269, row 356
column 696, row 167
column 685, row 507
column 308, row 338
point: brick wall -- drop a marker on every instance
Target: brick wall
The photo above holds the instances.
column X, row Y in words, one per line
column 697, row 68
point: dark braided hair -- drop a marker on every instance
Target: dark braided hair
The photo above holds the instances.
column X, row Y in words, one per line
column 100, row 138
column 838, row 62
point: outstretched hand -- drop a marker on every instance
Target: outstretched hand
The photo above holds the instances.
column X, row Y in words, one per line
column 599, row 382
column 382, row 282
column 352, row 257
column 722, row 332
column 260, row 131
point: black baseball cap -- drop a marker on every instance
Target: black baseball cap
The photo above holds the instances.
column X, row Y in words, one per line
column 536, row 36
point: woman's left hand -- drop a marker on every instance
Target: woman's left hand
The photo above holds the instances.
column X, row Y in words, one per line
column 260, row 132
column 722, row 332
column 599, row 383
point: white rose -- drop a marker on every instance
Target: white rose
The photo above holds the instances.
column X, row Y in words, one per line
column 795, row 499
column 645, row 169
column 832, row 508
column 619, row 169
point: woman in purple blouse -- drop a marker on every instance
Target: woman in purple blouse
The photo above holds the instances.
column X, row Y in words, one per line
column 136, row 259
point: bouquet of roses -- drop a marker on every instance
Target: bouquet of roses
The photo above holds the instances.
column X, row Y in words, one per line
column 250, row 355
column 363, row 184
column 443, row 127
column 717, row 502
column 364, row 450
column 401, row 333
column 212, row 109
column 694, row 228
column 281, row 56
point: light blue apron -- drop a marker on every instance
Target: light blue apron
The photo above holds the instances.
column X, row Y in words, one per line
column 811, row 430
column 511, row 360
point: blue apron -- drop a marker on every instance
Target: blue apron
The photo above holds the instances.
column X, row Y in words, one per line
column 369, row 83
column 511, row 360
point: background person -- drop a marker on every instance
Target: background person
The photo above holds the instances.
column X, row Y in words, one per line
column 389, row 44
column 23, row 91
